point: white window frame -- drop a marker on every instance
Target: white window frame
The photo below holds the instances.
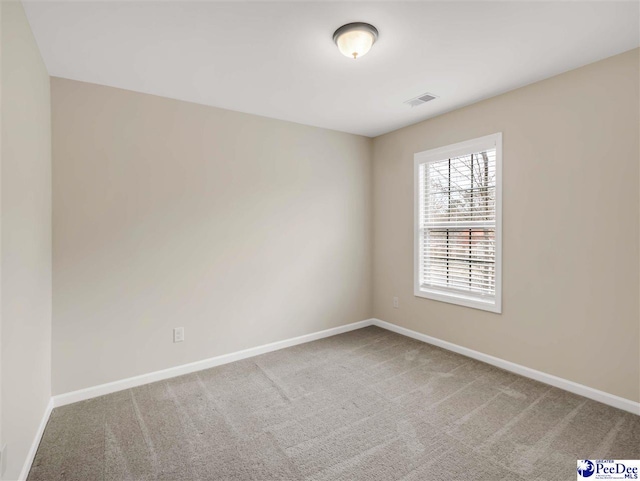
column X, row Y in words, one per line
column 471, row 146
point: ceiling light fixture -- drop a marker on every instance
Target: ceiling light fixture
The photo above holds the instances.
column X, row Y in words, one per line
column 355, row 39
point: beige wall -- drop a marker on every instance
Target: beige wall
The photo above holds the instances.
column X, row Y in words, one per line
column 570, row 232
column 26, row 237
column 173, row 214
column 242, row 229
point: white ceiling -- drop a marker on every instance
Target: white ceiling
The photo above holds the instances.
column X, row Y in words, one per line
column 277, row 59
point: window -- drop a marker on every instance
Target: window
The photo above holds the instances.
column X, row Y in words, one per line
column 458, row 215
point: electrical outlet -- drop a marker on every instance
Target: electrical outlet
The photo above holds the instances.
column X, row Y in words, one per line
column 3, row 460
column 396, row 303
column 178, row 334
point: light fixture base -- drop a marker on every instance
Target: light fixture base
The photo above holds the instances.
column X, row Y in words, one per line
column 355, row 26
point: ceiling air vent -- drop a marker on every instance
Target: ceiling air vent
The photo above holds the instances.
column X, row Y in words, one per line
column 421, row 99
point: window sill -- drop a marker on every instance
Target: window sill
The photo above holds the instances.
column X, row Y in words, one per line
column 491, row 305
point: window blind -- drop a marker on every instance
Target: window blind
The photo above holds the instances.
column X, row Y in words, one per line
column 457, row 218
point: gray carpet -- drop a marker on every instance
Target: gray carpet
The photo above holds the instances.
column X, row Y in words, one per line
column 365, row 405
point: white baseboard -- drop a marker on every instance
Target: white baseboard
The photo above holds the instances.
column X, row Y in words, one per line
column 26, row 467
column 580, row 389
column 574, row 387
column 102, row 389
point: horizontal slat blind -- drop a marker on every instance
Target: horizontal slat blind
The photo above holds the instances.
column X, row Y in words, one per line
column 458, row 222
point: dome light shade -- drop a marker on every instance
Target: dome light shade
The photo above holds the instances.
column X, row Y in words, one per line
column 355, row 39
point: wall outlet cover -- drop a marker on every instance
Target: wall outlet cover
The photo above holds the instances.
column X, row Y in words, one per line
column 178, row 334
